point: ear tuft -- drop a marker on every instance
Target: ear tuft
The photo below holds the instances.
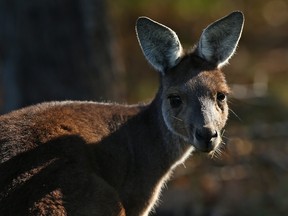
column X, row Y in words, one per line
column 219, row 40
column 160, row 44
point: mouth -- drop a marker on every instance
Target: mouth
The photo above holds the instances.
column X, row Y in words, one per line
column 203, row 147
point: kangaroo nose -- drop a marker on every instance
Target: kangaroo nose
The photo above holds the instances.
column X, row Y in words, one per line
column 206, row 134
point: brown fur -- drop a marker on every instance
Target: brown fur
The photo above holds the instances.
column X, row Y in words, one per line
column 87, row 158
column 47, row 166
column 83, row 158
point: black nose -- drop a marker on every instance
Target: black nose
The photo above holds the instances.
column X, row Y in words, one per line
column 206, row 134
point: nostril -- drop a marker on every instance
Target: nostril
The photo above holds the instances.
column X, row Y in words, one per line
column 206, row 134
column 215, row 134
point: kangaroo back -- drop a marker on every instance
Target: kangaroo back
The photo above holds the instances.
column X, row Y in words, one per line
column 88, row 158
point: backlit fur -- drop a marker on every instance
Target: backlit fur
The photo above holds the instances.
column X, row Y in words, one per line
column 88, row 158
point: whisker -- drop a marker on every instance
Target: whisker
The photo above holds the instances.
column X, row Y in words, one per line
column 218, row 151
column 215, row 154
column 222, row 135
column 177, row 118
column 235, row 115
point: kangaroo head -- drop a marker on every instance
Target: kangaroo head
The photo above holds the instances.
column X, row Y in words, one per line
column 193, row 89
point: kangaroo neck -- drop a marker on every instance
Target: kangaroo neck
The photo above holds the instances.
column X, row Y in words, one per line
column 154, row 151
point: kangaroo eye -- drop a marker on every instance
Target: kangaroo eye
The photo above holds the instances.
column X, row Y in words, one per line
column 175, row 101
column 221, row 96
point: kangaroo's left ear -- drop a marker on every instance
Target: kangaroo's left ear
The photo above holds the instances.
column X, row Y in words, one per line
column 160, row 44
column 219, row 40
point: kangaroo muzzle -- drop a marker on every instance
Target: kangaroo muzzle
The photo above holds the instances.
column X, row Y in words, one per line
column 206, row 139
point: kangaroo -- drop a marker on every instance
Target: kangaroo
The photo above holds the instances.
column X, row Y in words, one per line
column 88, row 158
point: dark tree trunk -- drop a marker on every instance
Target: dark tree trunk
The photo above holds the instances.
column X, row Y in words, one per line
column 55, row 50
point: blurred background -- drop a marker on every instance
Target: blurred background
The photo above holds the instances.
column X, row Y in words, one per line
column 87, row 50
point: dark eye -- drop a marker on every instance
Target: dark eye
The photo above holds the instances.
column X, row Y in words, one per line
column 175, row 101
column 221, row 97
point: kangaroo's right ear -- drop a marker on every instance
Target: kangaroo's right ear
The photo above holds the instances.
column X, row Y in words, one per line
column 219, row 40
column 160, row 44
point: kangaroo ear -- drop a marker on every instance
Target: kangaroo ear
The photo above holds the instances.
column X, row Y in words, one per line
column 219, row 40
column 160, row 44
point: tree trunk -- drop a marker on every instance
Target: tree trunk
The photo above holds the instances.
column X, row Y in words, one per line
column 55, row 50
